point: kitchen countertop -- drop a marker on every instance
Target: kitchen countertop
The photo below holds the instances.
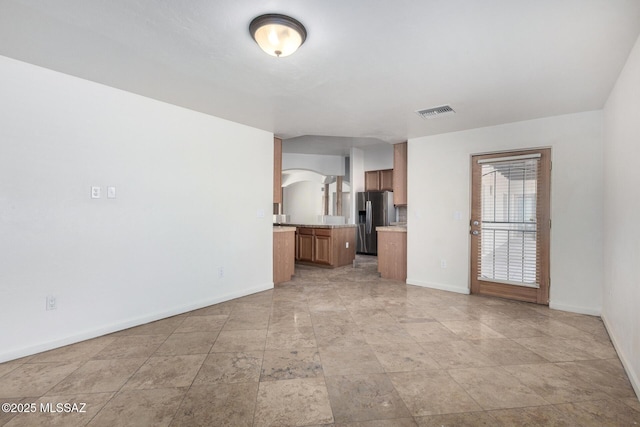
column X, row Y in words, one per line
column 282, row 229
column 393, row 228
column 315, row 225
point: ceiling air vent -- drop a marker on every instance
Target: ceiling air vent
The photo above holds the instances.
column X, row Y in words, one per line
column 432, row 113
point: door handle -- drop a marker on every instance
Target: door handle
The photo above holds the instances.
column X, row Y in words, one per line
column 475, row 232
column 476, row 223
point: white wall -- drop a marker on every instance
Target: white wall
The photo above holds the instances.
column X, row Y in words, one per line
column 621, row 214
column 439, row 186
column 153, row 251
column 323, row 164
column 303, row 202
column 377, row 157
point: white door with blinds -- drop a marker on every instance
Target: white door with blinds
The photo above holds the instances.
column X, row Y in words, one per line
column 510, row 225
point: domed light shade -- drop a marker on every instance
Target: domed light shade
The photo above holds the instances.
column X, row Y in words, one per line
column 278, row 35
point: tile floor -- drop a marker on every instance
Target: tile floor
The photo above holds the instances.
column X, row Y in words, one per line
column 339, row 348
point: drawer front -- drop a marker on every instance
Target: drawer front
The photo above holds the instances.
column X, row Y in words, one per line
column 304, row 230
column 323, row 232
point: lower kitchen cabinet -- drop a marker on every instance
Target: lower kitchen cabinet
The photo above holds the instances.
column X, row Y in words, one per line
column 392, row 253
column 283, row 253
column 326, row 247
column 305, row 245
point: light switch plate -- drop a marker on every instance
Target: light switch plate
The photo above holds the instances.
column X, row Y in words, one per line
column 111, row 192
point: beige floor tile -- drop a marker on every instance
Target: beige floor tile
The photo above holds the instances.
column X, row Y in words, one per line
column 220, row 405
column 430, row 332
column 224, row 308
column 402, row 357
column 131, row 347
column 230, row 368
column 81, row 351
column 471, row 329
column 512, row 328
column 293, row 402
column 302, row 337
column 80, row 410
column 554, row 384
column 632, row 402
column 339, row 335
column 554, row 349
column 6, row 416
column 140, row 408
column 384, row 334
column 34, row 380
column 456, row 354
column 7, row 367
column 364, row 397
column 396, row 422
column 166, row 372
column 556, row 328
column 372, row 317
column 607, row 375
column 535, row 416
column 290, row 320
column 98, row 376
column 187, row 343
column 468, row 419
column 240, row 341
column 600, row 413
column 159, row 327
column 506, row 352
column 348, row 360
column 431, row 393
column 290, row 364
column 598, row 348
column 494, row 388
column 255, row 319
column 211, row 323
column 443, row 314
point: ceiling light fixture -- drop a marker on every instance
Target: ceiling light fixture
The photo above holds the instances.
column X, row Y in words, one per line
column 278, row 35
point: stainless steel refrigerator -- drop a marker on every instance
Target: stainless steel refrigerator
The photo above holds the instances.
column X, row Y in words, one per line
column 375, row 209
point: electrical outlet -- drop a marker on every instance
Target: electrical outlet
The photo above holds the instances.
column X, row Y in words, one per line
column 95, row 192
column 51, row 302
column 220, row 272
column 443, row 263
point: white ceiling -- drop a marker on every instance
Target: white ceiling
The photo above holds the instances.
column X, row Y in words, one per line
column 366, row 66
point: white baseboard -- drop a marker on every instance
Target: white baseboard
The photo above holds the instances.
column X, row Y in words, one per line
column 575, row 309
column 633, row 376
column 438, row 286
column 126, row 324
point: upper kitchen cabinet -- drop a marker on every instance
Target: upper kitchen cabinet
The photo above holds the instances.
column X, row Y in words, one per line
column 380, row 180
column 400, row 174
column 277, row 170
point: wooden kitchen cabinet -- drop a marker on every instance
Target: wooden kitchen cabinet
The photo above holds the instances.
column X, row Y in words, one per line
column 305, row 244
column 283, row 253
column 386, row 180
column 392, row 253
column 326, row 247
column 322, row 247
column 379, row 180
column 371, row 181
column 400, row 174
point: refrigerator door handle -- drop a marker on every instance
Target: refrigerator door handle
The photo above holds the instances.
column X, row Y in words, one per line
column 369, row 217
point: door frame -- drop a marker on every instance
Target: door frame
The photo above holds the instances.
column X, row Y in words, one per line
column 543, row 213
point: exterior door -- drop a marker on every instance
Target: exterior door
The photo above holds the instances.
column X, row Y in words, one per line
column 510, row 225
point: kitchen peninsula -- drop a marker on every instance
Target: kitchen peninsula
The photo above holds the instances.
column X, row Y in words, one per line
column 324, row 245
